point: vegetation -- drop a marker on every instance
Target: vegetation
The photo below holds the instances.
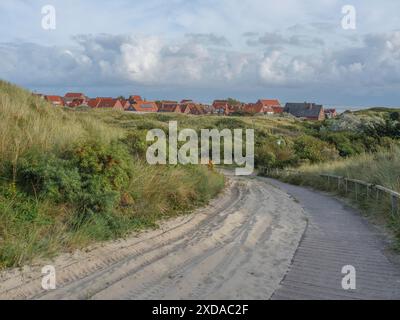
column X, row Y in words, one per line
column 379, row 168
column 68, row 178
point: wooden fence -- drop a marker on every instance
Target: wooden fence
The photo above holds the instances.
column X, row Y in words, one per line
column 360, row 189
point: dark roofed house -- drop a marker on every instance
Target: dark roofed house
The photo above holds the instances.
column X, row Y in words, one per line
column 309, row 111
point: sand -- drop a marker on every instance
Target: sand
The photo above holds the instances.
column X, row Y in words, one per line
column 238, row 247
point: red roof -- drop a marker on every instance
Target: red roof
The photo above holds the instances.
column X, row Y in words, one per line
column 105, row 103
column 93, row 103
column 170, row 107
column 125, row 103
column 135, row 98
column 265, row 106
column 110, row 103
column 145, row 106
column 77, row 102
column 55, row 100
column 220, row 103
column 269, row 103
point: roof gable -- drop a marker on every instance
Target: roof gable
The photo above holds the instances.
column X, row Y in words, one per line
column 303, row 110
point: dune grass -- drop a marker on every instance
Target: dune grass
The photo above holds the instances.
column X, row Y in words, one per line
column 379, row 168
column 68, row 179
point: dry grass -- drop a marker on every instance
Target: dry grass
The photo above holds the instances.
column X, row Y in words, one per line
column 28, row 122
column 33, row 226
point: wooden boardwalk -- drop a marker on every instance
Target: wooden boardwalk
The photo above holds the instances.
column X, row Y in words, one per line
column 337, row 236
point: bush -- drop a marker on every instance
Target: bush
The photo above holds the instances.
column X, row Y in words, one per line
column 90, row 176
column 313, row 149
column 136, row 143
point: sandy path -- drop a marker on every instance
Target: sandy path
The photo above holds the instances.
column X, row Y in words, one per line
column 238, row 247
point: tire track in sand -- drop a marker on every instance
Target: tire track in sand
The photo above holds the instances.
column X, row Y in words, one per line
column 238, row 247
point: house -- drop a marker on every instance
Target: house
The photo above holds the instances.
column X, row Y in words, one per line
column 221, row 107
column 77, row 103
column 93, row 103
column 71, row 96
column 193, row 108
column 108, row 103
column 310, row 111
column 135, row 99
column 55, row 100
column 187, row 107
column 330, row 113
column 126, row 104
column 264, row 106
column 170, row 107
column 187, row 101
column 145, row 106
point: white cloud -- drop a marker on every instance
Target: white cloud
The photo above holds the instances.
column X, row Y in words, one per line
column 230, row 45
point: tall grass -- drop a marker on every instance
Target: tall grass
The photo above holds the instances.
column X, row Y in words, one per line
column 380, row 168
column 70, row 178
column 27, row 122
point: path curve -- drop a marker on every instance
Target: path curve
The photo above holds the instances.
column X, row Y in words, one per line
column 252, row 242
column 336, row 236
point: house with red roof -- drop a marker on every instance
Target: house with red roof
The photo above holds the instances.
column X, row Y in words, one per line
column 126, row 104
column 70, row 97
column 193, row 108
column 55, row 100
column 105, row 103
column 77, row 103
column 145, row 106
column 265, row 106
column 221, row 107
column 135, row 98
column 170, row 107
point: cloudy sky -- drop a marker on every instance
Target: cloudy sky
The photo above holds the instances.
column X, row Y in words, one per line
column 294, row 50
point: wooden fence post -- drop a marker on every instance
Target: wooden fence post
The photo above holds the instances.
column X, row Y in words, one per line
column 356, row 189
column 394, row 204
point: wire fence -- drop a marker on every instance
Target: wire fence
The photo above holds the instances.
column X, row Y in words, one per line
column 357, row 188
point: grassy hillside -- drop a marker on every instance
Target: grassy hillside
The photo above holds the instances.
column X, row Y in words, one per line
column 70, row 178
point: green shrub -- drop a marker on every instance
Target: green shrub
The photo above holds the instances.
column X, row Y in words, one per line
column 313, row 149
column 90, row 176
